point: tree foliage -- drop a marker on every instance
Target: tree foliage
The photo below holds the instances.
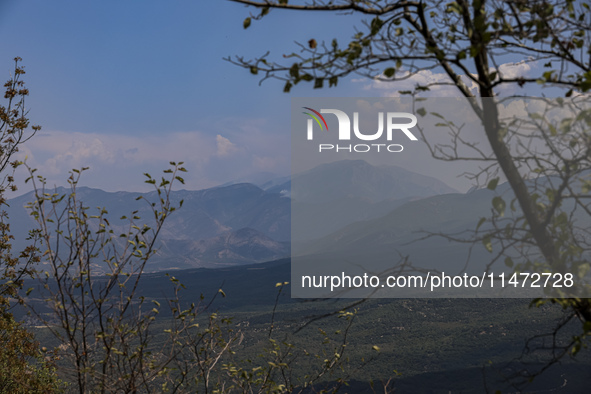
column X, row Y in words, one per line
column 470, row 42
column 92, row 281
column 14, row 131
column 117, row 337
column 23, row 366
column 474, row 45
column 111, row 336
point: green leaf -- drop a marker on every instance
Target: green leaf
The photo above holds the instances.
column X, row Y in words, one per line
column 454, row 7
column 246, row 23
column 421, row 111
column 499, row 205
column 389, row 72
column 294, row 70
column 376, row 25
column 548, row 75
column 536, row 116
column 480, row 223
column 585, row 85
column 487, row 242
column 492, row 185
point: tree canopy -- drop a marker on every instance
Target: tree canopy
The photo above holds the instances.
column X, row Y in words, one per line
column 471, row 42
column 476, row 45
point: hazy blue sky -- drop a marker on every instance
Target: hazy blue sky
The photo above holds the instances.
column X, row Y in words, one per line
column 126, row 86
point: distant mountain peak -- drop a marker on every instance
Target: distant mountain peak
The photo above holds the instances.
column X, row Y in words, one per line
column 360, row 179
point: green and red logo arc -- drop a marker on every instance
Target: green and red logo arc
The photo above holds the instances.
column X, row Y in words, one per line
column 315, row 116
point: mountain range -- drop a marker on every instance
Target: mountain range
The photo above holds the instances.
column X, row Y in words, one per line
column 242, row 223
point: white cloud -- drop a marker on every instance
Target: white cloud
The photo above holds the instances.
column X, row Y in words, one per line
column 440, row 84
column 224, row 146
column 73, row 149
column 422, row 78
column 117, row 161
column 519, row 69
